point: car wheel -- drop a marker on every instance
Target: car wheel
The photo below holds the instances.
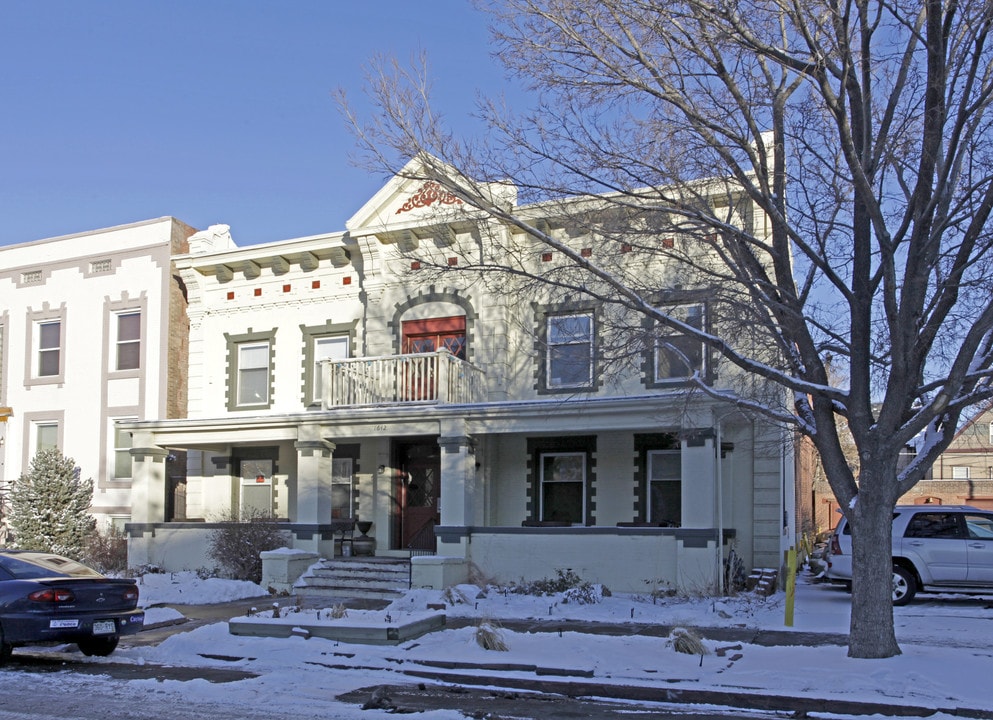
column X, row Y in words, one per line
column 904, row 585
column 101, row 647
column 5, row 649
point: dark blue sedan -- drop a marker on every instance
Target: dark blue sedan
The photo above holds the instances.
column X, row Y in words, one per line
column 46, row 598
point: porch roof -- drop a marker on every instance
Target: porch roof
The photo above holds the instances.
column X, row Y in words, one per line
column 505, row 417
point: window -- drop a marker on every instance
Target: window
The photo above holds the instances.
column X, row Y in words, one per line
column 563, row 487
column 46, row 436
column 424, row 336
column 665, row 487
column 128, row 350
column 122, row 454
column 341, row 487
column 49, row 348
column 678, row 356
column 570, row 351
column 960, row 472
column 327, row 348
column 934, row 525
column 253, row 373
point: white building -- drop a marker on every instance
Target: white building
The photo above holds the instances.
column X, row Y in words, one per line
column 93, row 330
column 330, row 377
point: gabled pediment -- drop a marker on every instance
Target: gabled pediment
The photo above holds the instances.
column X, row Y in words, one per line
column 412, row 205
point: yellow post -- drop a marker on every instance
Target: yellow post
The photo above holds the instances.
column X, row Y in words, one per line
column 790, row 585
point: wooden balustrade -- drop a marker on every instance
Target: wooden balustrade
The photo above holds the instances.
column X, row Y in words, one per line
column 430, row 378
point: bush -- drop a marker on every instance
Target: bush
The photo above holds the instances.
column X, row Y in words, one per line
column 237, row 544
column 108, row 552
column 572, row 587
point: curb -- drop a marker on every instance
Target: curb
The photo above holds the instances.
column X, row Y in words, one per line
column 798, row 706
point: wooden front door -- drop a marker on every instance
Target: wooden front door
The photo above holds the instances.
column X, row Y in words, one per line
column 418, row 492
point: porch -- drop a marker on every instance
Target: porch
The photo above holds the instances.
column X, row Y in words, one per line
column 634, row 559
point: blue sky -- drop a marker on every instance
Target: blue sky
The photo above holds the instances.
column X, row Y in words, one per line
column 212, row 111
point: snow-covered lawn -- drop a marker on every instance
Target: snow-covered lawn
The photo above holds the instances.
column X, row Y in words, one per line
column 947, row 658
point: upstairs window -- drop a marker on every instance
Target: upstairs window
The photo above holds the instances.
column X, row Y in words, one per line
column 569, row 359
column 49, row 348
column 332, row 347
column 253, row 374
column 128, row 342
column 425, row 336
column 677, row 355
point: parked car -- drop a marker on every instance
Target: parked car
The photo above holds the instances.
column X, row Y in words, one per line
column 46, row 598
column 936, row 548
column 817, row 560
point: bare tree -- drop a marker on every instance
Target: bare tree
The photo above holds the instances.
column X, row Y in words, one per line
column 858, row 130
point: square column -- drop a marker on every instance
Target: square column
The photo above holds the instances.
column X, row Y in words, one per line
column 311, row 507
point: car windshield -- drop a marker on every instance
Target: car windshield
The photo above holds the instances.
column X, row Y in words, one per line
column 25, row 566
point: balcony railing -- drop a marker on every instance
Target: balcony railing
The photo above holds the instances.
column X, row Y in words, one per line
column 429, row 378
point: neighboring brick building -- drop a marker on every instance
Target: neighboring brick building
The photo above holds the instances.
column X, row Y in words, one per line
column 963, row 475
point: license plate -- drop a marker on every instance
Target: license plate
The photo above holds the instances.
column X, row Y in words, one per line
column 104, row 627
column 61, row 624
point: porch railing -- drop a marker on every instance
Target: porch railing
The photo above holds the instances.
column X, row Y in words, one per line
column 437, row 377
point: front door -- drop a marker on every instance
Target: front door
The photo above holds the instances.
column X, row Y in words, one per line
column 418, row 491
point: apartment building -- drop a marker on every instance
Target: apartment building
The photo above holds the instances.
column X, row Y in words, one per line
column 93, row 330
column 337, row 377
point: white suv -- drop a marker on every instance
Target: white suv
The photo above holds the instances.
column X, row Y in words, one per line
column 936, row 548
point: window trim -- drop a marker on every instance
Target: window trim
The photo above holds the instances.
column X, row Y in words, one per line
column 118, row 449
column 33, row 334
column 235, row 343
column 543, row 319
column 540, row 446
column 661, row 331
column 118, row 315
column 310, row 335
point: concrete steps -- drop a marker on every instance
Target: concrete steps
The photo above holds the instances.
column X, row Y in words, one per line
column 356, row 578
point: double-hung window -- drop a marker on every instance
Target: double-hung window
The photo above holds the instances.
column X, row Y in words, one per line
column 677, row 354
column 665, row 487
column 563, row 486
column 46, row 436
column 122, row 454
column 49, row 348
column 569, row 359
column 331, row 347
column 128, row 341
column 253, row 373
column 341, row 487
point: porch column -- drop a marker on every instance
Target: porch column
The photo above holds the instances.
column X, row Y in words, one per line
column 148, row 498
column 312, row 508
column 458, row 491
column 697, row 545
column 699, row 473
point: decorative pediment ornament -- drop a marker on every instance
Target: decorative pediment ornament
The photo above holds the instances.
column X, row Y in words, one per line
column 429, row 193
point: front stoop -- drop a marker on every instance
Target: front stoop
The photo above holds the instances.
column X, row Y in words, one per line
column 356, row 578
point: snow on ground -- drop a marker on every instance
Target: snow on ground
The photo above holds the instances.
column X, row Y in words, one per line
column 946, row 662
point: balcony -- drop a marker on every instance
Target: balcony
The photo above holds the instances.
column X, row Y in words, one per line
column 428, row 378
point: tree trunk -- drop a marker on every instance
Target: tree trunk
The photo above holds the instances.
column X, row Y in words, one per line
column 872, row 634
